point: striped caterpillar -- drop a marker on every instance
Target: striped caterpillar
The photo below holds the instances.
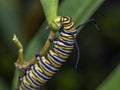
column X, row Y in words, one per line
column 39, row 73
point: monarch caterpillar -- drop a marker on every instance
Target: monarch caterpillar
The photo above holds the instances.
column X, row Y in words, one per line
column 39, row 73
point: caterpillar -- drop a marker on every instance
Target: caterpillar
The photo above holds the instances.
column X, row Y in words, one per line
column 39, row 73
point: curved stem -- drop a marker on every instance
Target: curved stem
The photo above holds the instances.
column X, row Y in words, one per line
column 20, row 62
column 48, row 43
column 20, row 52
column 44, row 49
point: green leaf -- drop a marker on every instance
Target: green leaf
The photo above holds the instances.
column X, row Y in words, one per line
column 112, row 82
column 79, row 10
column 15, row 80
column 50, row 9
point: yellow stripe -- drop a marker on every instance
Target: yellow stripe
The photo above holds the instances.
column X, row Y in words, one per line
column 69, row 30
column 29, row 83
column 61, row 55
column 53, row 63
column 45, row 60
column 62, row 38
column 25, row 81
column 65, row 48
column 43, row 70
column 66, row 39
column 21, row 88
column 58, row 55
column 68, row 24
column 36, row 78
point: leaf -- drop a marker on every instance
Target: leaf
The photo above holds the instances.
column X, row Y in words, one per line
column 112, row 82
column 15, row 80
column 79, row 10
column 50, row 9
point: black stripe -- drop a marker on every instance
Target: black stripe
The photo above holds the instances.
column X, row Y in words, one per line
column 34, row 81
column 55, row 58
column 47, row 66
column 62, row 50
column 58, row 58
column 52, row 61
column 26, row 86
column 37, row 55
column 39, row 73
column 59, row 52
column 70, row 33
column 67, row 19
column 65, row 42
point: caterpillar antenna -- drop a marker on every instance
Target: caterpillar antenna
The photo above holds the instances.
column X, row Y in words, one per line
column 89, row 21
column 78, row 52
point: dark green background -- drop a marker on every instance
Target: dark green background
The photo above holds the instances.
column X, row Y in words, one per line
column 99, row 50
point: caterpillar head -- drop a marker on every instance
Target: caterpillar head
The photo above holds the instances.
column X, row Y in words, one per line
column 66, row 21
column 67, row 24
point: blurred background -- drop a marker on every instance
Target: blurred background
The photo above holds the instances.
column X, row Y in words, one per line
column 99, row 50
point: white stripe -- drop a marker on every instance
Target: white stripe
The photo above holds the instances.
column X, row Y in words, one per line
column 53, row 68
column 60, row 52
column 67, row 51
column 37, row 74
column 65, row 34
column 30, row 88
column 45, row 67
column 64, row 45
column 42, row 74
column 54, row 60
column 59, row 59
column 32, row 82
